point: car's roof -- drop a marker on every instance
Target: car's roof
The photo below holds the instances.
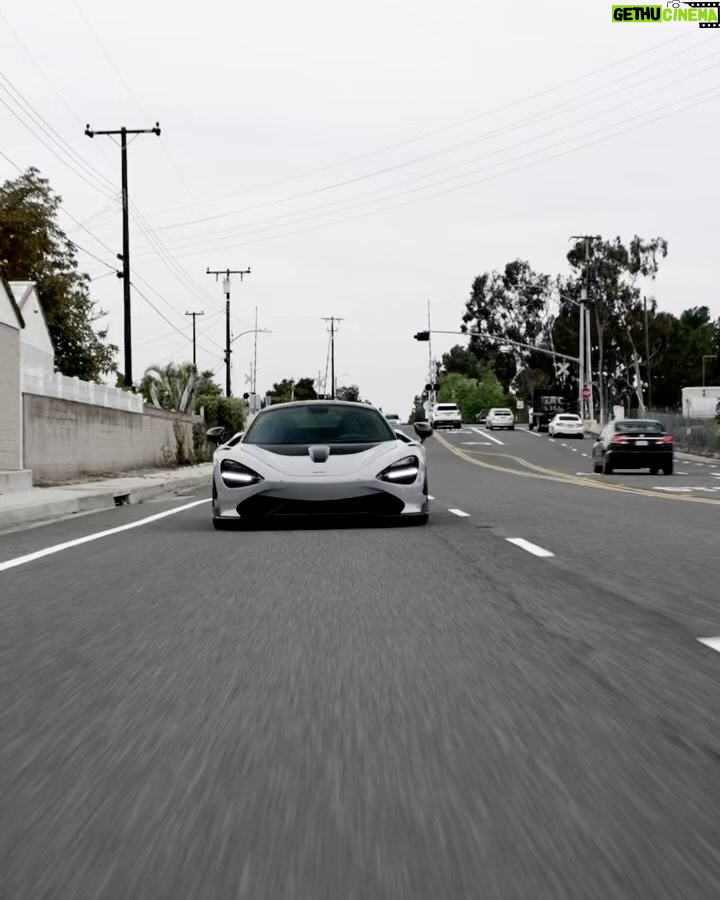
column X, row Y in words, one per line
column 354, row 404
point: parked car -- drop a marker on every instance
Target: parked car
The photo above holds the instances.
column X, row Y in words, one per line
column 393, row 419
column 446, row 415
column 500, row 417
column 481, row 417
column 633, row 444
column 567, row 424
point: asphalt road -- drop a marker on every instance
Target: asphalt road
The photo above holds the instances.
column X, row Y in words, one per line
column 370, row 712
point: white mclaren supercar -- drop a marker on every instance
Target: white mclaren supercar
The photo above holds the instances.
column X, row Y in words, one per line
column 319, row 458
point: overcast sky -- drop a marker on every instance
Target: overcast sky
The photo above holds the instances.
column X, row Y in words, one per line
column 361, row 160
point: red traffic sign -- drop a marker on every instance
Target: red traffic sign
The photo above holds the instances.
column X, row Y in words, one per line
column 586, row 392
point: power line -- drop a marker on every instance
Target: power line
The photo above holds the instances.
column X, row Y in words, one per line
column 211, row 238
column 436, row 131
column 510, row 171
column 132, row 95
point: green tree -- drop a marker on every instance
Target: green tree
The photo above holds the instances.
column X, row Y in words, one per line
column 350, row 392
column 33, row 247
column 287, row 389
column 614, row 273
column 173, row 387
column 472, row 394
column 512, row 305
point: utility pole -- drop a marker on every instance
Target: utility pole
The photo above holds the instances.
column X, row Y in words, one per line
column 125, row 256
column 226, row 290
column 194, row 316
column 254, row 371
column 332, row 320
column 587, row 336
column 647, row 354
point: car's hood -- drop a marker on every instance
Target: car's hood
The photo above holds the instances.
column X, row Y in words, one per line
column 295, row 462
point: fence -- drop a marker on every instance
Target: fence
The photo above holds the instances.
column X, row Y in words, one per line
column 45, row 384
column 694, row 435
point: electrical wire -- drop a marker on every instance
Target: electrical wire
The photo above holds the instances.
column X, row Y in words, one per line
column 434, row 132
column 238, row 229
column 249, row 239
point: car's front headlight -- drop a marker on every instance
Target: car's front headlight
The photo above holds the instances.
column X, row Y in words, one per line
column 404, row 471
column 235, row 474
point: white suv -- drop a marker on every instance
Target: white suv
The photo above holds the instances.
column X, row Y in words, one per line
column 500, row 418
column 446, row 415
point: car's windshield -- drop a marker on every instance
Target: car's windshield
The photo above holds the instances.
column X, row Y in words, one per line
column 319, row 424
column 503, row 412
column 569, row 418
column 643, row 426
column 446, row 407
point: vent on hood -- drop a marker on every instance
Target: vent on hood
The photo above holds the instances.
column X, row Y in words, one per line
column 319, row 453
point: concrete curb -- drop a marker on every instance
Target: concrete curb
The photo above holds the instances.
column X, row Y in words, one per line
column 78, row 499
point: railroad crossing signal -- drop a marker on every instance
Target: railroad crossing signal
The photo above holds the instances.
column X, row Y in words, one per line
column 562, row 369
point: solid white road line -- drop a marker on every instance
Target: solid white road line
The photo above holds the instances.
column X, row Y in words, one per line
column 531, row 548
column 459, row 512
column 67, row 545
column 489, row 436
column 430, row 497
column 712, row 643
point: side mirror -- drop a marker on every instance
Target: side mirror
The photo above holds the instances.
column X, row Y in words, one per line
column 215, row 434
column 423, row 430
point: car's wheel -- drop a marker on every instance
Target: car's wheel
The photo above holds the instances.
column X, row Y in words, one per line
column 654, row 470
column 668, row 469
column 607, row 468
column 597, row 468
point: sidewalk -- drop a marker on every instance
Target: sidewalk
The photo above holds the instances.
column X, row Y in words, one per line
column 45, row 504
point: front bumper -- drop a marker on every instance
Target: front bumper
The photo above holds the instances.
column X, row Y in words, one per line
column 305, row 497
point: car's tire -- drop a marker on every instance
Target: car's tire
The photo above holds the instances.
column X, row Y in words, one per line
column 607, row 468
column 654, row 470
column 597, row 468
column 668, row 470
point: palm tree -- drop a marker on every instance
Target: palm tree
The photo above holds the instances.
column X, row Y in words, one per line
column 173, row 387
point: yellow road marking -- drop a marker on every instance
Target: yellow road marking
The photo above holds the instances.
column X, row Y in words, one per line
column 553, row 475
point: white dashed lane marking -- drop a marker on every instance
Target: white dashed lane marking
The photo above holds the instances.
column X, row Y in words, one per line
column 488, row 436
column 713, row 643
column 530, row 548
column 459, row 512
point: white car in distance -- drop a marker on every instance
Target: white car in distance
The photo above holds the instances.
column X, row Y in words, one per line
column 500, row 417
column 567, row 425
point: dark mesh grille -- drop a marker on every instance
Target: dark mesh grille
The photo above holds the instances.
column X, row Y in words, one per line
column 262, row 506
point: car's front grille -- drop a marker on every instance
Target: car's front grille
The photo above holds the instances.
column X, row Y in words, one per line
column 261, row 506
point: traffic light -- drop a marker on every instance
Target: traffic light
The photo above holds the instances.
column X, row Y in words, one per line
column 422, row 336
